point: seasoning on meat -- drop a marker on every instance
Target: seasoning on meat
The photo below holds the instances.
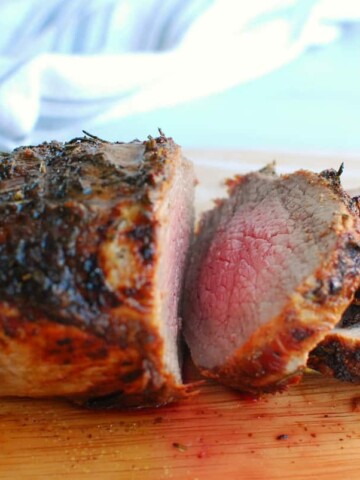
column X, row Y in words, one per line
column 338, row 354
column 93, row 239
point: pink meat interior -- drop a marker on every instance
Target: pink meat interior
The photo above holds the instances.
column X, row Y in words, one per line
column 176, row 218
column 252, row 253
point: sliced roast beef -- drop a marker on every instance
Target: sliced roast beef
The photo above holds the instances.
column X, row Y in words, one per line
column 93, row 240
column 272, row 270
column 338, row 354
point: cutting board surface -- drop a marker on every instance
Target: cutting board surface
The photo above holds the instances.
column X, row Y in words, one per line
column 312, row 431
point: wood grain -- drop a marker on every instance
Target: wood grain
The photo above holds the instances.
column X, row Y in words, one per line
column 312, row 431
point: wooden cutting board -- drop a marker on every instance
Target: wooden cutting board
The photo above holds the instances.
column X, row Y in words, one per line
column 312, row 431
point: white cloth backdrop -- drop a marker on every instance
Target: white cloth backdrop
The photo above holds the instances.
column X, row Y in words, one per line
column 67, row 62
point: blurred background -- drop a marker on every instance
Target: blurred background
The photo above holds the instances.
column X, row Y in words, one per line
column 271, row 75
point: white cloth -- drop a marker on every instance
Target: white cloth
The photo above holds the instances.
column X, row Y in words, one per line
column 67, row 63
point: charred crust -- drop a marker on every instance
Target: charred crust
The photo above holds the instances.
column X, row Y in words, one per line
column 131, row 376
column 301, row 333
column 351, row 316
column 147, row 253
column 50, row 270
column 139, row 232
column 143, row 235
column 333, row 176
column 333, row 179
column 338, row 355
column 347, row 264
column 152, row 144
column 51, row 230
column 337, row 358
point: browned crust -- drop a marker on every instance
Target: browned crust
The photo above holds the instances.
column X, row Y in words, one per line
column 43, row 358
column 276, row 354
column 98, row 338
column 337, row 356
column 53, row 233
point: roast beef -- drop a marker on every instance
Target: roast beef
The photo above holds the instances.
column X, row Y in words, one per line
column 93, row 239
column 338, row 354
column 272, row 270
